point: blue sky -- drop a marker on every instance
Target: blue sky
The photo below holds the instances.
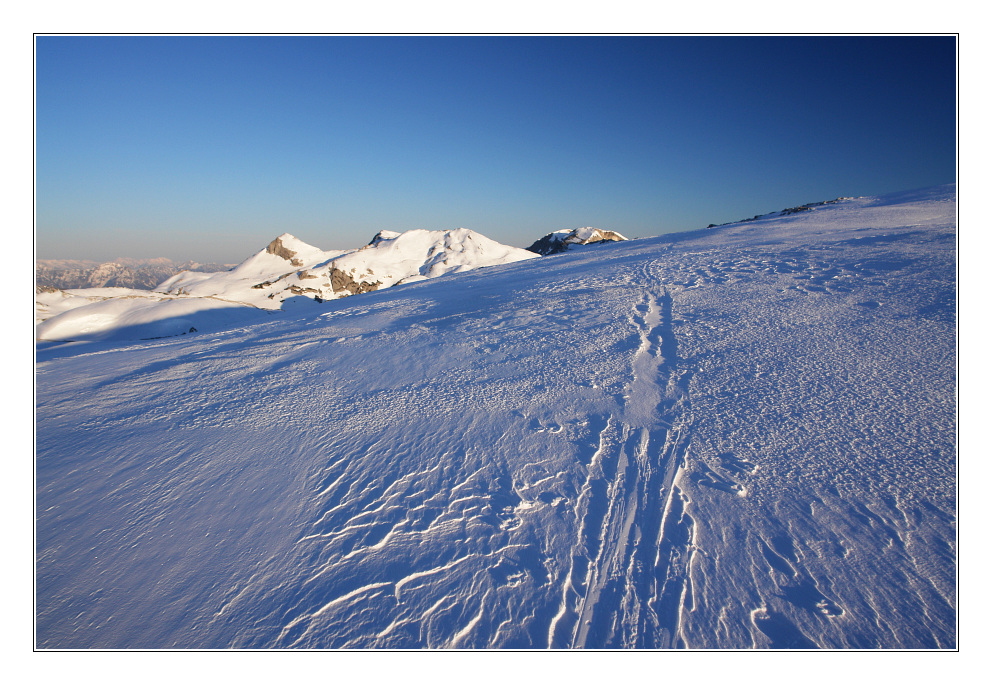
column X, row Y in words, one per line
column 208, row 147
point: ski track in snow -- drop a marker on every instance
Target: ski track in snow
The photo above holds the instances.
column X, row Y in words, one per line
column 629, row 553
column 460, row 464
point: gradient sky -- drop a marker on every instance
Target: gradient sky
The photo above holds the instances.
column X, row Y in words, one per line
column 206, row 148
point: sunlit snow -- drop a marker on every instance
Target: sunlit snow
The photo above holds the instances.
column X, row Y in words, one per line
column 287, row 274
column 737, row 437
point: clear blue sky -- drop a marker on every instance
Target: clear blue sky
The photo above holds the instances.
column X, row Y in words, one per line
column 208, row 147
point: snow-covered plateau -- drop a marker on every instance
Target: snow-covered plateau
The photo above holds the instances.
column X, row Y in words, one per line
column 732, row 438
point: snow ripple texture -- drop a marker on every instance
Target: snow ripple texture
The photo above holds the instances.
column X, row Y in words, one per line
column 735, row 438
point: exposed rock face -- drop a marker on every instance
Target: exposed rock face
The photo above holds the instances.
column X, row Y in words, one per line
column 553, row 243
column 600, row 236
column 342, row 281
column 312, row 293
column 279, row 250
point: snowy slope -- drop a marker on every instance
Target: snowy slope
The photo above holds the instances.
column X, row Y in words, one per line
column 142, row 316
column 52, row 302
column 129, row 314
column 739, row 437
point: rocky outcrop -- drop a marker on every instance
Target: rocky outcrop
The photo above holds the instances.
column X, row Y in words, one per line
column 559, row 241
column 383, row 235
column 277, row 248
column 785, row 212
column 344, row 282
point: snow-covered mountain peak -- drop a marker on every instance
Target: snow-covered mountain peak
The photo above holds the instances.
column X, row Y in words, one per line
column 392, row 258
column 559, row 241
column 588, row 234
column 293, row 250
column 279, row 248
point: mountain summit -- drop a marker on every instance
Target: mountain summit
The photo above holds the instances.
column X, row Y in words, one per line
column 394, row 258
column 288, row 246
column 255, row 280
column 288, row 267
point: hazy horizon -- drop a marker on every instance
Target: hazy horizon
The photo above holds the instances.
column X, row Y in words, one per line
column 205, row 148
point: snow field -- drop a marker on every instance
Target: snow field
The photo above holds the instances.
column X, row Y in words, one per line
column 737, row 438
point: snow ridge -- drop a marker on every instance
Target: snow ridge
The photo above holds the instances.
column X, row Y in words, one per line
column 634, row 545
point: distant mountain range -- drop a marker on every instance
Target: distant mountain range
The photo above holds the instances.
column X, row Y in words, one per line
column 288, row 267
column 142, row 274
column 140, row 299
column 148, row 274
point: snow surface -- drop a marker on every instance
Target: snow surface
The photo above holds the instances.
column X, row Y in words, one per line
column 52, row 303
column 738, row 437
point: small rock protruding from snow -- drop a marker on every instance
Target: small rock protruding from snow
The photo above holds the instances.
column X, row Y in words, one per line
column 383, row 235
column 559, row 241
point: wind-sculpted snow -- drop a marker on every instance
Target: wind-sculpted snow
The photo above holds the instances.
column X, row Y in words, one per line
column 741, row 437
